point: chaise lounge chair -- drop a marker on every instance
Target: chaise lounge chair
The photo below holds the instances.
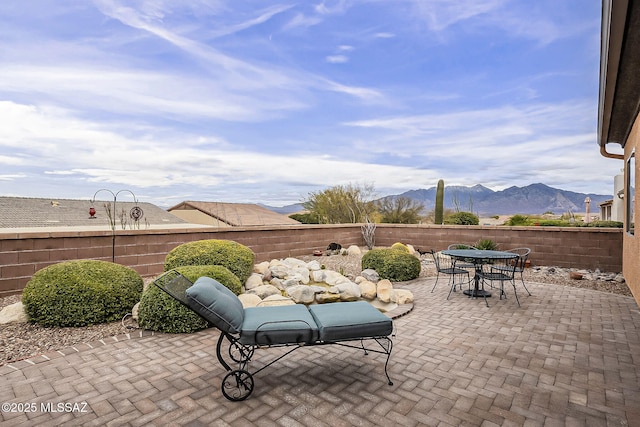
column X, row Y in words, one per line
column 247, row 329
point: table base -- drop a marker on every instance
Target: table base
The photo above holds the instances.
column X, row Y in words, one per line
column 477, row 293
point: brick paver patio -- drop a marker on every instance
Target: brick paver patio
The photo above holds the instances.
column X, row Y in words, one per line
column 567, row 357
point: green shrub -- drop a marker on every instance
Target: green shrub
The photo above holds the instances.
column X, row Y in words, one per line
column 554, row 223
column 606, row 224
column 159, row 311
column 400, row 247
column 392, row 264
column 81, row 292
column 305, row 218
column 236, row 257
column 462, row 218
column 486, row 245
column 518, row 220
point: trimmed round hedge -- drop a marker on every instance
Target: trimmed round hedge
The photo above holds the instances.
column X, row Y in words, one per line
column 159, row 311
column 400, row 247
column 80, row 293
column 392, row 264
column 237, row 258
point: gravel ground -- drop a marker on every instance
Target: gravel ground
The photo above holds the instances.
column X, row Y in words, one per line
column 23, row 340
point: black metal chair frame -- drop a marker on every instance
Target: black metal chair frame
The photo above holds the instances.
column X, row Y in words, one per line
column 521, row 261
column 501, row 273
column 452, row 271
column 462, row 264
column 238, row 383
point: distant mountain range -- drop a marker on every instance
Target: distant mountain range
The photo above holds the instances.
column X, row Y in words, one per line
column 532, row 199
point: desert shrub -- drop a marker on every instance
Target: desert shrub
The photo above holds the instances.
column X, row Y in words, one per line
column 555, row 223
column 392, row 264
column 217, row 272
column 305, row 218
column 227, row 253
column 81, row 292
column 518, row 220
column 462, row 218
column 159, row 311
column 606, row 224
column 486, row 245
column 400, row 247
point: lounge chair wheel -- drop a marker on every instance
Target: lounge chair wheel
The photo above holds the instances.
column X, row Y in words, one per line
column 237, row 385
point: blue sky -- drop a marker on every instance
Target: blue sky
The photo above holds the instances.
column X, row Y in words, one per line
column 264, row 102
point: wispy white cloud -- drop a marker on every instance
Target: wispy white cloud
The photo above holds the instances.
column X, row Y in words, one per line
column 441, row 14
column 300, row 20
column 263, row 101
column 337, row 59
column 531, row 20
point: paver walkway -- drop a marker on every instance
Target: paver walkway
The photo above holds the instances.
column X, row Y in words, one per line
column 567, row 357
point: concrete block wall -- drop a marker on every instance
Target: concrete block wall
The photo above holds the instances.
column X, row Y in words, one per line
column 22, row 254
column 568, row 247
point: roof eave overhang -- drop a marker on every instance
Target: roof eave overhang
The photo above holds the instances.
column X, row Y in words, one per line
column 619, row 97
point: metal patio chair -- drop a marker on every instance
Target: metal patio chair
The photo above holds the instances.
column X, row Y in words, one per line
column 520, row 263
column 462, row 264
column 501, row 270
column 447, row 265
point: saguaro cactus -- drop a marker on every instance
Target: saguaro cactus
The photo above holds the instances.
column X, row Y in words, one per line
column 439, row 219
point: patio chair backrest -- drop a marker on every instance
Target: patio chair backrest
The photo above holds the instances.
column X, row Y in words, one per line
column 443, row 262
column 523, row 254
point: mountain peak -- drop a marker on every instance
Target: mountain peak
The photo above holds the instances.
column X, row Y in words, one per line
column 535, row 198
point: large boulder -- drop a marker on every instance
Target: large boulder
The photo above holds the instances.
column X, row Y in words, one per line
column 276, row 300
column 348, row 291
column 368, row 289
column 261, row 268
column 264, row 291
column 301, row 294
column 13, row 313
column 253, row 281
column 371, row 275
column 354, row 250
column 249, row 300
column 402, row 296
column 385, row 290
column 327, row 297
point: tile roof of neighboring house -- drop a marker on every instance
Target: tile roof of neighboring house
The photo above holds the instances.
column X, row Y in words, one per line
column 232, row 214
column 22, row 212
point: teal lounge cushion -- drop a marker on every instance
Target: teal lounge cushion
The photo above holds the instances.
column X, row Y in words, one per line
column 288, row 324
column 216, row 303
column 342, row 321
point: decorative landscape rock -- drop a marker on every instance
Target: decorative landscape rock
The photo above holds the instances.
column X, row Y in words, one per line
column 385, row 290
column 354, row 250
column 402, row 296
column 302, row 294
column 586, row 274
column 249, row 300
column 254, row 281
column 370, row 275
column 327, row 297
column 294, row 281
column 13, row 313
column 264, row 291
column 261, row 268
column 348, row 291
column 368, row 289
column 276, row 300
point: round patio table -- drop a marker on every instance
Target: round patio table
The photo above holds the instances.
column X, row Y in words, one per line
column 478, row 258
